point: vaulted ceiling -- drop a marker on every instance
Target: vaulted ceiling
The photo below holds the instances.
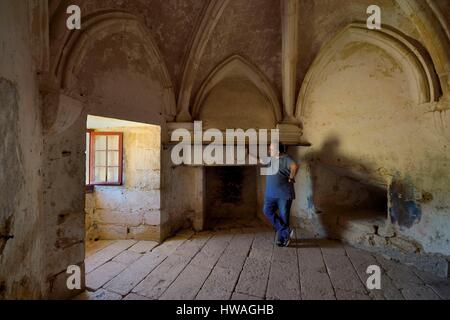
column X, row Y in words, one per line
column 280, row 38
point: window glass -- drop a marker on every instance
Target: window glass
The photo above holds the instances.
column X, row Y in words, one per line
column 113, row 158
column 100, row 158
column 105, row 162
column 113, row 142
column 113, row 174
column 100, row 174
column 100, row 142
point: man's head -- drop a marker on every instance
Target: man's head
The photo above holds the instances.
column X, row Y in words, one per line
column 277, row 149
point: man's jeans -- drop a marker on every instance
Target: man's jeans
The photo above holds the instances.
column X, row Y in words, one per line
column 281, row 222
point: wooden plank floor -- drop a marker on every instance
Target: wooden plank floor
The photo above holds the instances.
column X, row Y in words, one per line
column 245, row 264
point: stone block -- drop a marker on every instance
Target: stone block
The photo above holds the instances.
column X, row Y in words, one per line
column 109, row 198
column 111, row 232
column 386, row 230
column 142, row 200
column 374, row 240
column 127, row 199
column 116, row 217
column 152, row 218
column 144, row 232
column 404, row 245
column 144, row 179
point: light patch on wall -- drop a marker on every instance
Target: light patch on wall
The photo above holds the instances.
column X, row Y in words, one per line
column 95, row 122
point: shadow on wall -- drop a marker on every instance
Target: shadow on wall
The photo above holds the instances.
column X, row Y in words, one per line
column 352, row 203
column 345, row 193
column 404, row 210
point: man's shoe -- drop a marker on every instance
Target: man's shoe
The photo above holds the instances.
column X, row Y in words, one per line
column 288, row 240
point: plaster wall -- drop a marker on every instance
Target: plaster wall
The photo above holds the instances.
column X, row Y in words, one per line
column 232, row 97
column 182, row 194
column 22, row 243
column 365, row 124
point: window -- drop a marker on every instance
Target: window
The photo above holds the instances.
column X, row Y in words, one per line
column 88, row 156
column 105, row 158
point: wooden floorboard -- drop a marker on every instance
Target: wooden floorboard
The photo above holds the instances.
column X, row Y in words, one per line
column 243, row 263
column 405, row 279
column 361, row 261
column 189, row 282
column 95, row 246
column 138, row 270
column 344, row 278
column 106, row 254
column 284, row 282
column 315, row 282
column 255, row 273
column 221, row 282
column 157, row 282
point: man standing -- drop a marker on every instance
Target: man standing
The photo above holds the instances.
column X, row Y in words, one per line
column 280, row 193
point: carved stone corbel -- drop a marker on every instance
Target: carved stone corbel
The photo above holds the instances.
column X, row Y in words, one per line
column 59, row 112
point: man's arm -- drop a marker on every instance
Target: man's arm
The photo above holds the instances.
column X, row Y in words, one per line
column 294, row 169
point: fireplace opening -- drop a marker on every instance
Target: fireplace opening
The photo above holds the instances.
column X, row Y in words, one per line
column 231, row 196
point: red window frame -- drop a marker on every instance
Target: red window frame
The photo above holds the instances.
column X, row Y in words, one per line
column 92, row 166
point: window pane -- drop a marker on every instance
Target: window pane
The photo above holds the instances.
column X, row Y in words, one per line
column 113, row 142
column 113, row 175
column 100, row 174
column 113, row 158
column 100, row 142
column 100, row 158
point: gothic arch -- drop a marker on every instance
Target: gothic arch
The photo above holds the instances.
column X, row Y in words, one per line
column 98, row 26
column 238, row 65
column 213, row 12
column 418, row 66
column 434, row 32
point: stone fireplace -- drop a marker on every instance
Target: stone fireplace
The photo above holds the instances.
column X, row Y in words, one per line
column 230, row 193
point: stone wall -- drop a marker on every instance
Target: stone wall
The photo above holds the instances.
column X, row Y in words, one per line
column 182, row 195
column 63, row 204
column 133, row 210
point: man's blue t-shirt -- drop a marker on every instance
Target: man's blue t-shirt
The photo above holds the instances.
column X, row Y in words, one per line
column 278, row 185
